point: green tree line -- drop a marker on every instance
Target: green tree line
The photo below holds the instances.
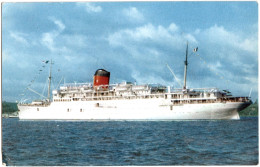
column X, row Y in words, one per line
column 251, row 110
column 9, row 107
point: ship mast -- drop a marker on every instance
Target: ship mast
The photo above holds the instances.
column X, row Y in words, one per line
column 185, row 67
column 49, row 86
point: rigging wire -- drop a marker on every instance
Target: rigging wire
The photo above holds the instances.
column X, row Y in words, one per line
column 46, row 83
column 35, row 77
column 212, row 70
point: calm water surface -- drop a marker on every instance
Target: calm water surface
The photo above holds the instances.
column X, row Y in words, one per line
column 130, row 143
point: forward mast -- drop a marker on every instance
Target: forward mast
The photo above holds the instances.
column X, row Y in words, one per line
column 185, row 68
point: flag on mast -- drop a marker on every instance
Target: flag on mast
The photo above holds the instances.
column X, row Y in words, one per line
column 47, row 61
column 195, row 49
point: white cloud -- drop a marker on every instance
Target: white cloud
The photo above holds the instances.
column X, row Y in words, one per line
column 229, row 39
column 144, row 48
column 59, row 24
column 152, row 79
column 230, row 57
column 90, row 7
column 6, row 57
column 173, row 27
column 224, row 52
column 149, row 48
column 20, row 37
column 14, row 59
column 249, row 44
column 144, row 32
column 190, row 38
column 235, row 50
column 48, row 38
column 75, row 40
column 169, row 36
column 133, row 14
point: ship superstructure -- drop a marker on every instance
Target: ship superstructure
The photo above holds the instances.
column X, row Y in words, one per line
column 127, row 101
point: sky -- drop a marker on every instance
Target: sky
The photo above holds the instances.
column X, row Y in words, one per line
column 133, row 41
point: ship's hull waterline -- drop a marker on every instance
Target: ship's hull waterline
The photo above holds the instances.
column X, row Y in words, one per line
column 138, row 109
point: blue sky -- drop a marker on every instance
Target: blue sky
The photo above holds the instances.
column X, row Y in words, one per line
column 132, row 40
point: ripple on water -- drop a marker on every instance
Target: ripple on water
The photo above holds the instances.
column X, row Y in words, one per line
column 130, row 143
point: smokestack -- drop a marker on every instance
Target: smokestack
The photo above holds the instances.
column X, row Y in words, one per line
column 101, row 77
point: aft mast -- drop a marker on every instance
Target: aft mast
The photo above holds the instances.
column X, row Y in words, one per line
column 185, row 67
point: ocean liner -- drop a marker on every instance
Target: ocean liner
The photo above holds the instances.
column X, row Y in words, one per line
column 100, row 101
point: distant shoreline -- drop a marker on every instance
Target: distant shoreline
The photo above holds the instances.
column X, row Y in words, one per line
column 252, row 110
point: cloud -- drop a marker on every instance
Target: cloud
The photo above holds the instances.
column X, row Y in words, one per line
column 20, row 37
column 147, row 49
column 236, row 51
column 219, row 35
column 48, row 38
column 150, row 34
column 90, row 7
column 249, row 44
column 131, row 45
column 133, row 14
column 60, row 25
column 6, row 57
column 230, row 58
column 227, row 56
column 173, row 27
column 75, row 40
column 141, row 40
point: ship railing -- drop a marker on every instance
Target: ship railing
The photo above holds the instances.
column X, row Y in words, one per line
column 209, row 100
column 72, row 87
column 75, row 85
column 78, row 86
column 30, row 104
column 195, row 98
column 212, row 99
column 115, row 97
column 210, row 89
column 193, row 101
column 87, row 84
column 237, row 99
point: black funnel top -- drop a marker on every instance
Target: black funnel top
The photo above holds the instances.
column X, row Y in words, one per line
column 102, row 72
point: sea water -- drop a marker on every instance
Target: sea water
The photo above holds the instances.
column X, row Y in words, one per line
column 72, row 143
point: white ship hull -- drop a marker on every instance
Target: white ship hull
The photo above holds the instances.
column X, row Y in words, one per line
column 135, row 109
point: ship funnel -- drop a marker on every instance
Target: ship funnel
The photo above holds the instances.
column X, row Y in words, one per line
column 101, row 77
